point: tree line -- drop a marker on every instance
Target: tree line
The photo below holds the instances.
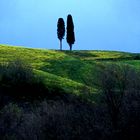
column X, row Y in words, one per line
column 70, row 31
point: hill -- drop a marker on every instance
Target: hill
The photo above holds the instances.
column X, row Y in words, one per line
column 69, row 70
column 51, row 94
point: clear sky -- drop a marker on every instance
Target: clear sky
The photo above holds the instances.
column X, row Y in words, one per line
column 99, row 24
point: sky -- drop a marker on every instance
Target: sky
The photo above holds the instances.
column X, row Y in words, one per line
column 99, row 24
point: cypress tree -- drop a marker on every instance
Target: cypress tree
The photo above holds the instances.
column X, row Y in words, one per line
column 60, row 30
column 70, row 31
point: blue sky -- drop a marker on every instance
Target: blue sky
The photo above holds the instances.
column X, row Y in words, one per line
column 99, row 24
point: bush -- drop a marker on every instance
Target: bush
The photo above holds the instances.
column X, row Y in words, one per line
column 49, row 120
column 18, row 80
column 16, row 72
column 120, row 88
column 10, row 118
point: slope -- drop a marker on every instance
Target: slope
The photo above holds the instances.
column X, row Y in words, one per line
column 69, row 70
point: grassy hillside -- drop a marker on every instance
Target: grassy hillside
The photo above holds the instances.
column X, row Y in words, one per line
column 69, row 70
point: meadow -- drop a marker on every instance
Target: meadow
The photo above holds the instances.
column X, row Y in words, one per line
column 69, row 70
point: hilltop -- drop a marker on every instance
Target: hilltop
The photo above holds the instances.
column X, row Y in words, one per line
column 69, row 70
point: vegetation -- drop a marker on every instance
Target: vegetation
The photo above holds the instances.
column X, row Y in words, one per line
column 60, row 30
column 118, row 84
column 70, row 31
column 68, row 70
column 51, row 94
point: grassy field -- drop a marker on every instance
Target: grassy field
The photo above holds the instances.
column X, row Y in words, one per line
column 69, row 70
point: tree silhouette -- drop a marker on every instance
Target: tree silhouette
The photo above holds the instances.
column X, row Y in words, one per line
column 70, row 31
column 60, row 30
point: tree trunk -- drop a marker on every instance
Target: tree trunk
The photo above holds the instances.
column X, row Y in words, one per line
column 70, row 47
column 60, row 45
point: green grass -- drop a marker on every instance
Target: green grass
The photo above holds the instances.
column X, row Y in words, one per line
column 66, row 69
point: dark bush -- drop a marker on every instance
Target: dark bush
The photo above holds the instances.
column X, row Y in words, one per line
column 10, row 119
column 119, row 85
column 50, row 120
column 18, row 81
column 136, row 57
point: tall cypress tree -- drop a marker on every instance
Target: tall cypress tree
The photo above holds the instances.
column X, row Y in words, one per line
column 70, row 31
column 60, row 30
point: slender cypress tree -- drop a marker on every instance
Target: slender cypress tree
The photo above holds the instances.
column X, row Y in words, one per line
column 70, row 31
column 60, row 30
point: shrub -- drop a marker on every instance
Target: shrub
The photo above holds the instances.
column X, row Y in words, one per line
column 10, row 118
column 120, row 88
column 18, row 80
column 49, row 120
